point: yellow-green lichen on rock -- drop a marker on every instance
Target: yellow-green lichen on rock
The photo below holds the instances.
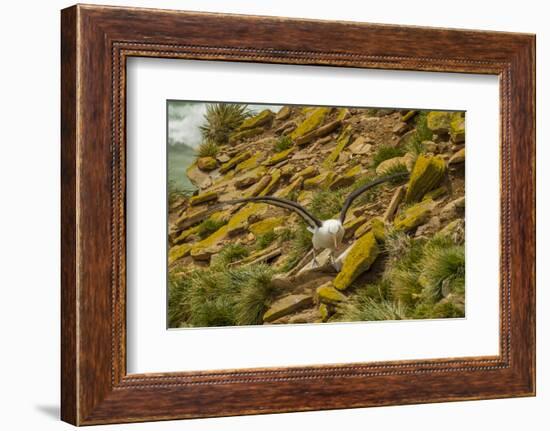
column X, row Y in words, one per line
column 207, row 163
column 341, row 143
column 245, row 134
column 347, row 178
column 239, row 158
column 341, row 114
column 324, row 312
column 457, row 128
column 273, row 183
column 279, row 157
column 283, row 113
column 203, row 198
column 183, row 235
column 408, row 115
column 320, row 181
column 251, row 162
column 435, row 193
column 329, row 295
column 291, row 188
column 414, row 216
column 260, row 186
column 263, row 118
column 177, row 252
column 314, row 119
column 359, row 259
column 378, row 228
column 427, row 173
column 306, row 173
column 458, row 157
column 267, row 225
column 239, row 222
column 439, row 121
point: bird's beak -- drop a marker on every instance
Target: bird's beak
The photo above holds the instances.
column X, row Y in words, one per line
column 336, row 245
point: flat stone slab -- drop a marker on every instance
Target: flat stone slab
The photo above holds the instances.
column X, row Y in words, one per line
column 287, row 305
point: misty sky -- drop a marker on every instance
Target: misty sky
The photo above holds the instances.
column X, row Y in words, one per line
column 184, row 119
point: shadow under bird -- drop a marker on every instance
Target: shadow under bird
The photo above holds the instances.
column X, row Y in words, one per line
column 327, row 234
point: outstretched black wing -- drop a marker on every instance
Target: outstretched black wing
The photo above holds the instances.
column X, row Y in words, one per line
column 310, row 219
column 363, row 189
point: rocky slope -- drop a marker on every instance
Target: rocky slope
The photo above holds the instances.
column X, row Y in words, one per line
column 317, row 156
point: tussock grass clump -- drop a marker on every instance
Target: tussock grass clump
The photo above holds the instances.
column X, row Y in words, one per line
column 363, row 308
column 327, row 203
column 265, row 240
column 300, row 245
column 220, row 296
column 386, row 152
column 231, row 253
column 208, row 149
column 423, row 133
column 221, row 119
column 283, row 143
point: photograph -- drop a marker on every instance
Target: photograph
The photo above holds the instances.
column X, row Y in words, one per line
column 286, row 214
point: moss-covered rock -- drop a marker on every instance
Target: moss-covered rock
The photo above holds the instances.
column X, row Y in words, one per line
column 341, row 114
column 454, row 229
column 240, row 220
column 283, row 113
column 347, row 178
column 185, row 234
column 427, row 173
column 245, row 134
column 287, row 305
column 203, row 198
column 177, row 252
column 408, row 115
column 293, row 187
column 273, row 183
column 341, row 143
column 435, row 193
column 305, row 173
column 329, row 295
column 260, row 186
column 351, row 225
column 359, row 259
column 405, row 161
column 207, row 163
column 439, row 121
column 457, row 128
column 250, row 178
column 263, row 118
column 324, row 312
column 234, row 161
column 279, row 157
column 414, row 216
column 320, row 181
column 378, row 228
column 267, row 225
column 250, row 163
column 313, row 120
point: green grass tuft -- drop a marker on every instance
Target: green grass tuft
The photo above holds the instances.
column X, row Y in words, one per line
column 221, row 119
column 208, row 149
column 265, row 240
column 386, row 152
column 283, row 143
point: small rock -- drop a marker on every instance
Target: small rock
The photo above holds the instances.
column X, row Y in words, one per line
column 431, row 147
column 414, row 216
column 457, row 130
column 408, row 115
column 426, row 175
column 266, row 225
column 239, row 158
column 223, row 158
column 453, row 209
column 458, row 157
column 263, row 118
column 439, row 122
column 287, row 305
column 433, row 224
column 455, row 230
column 400, row 128
column 207, row 163
column 279, row 157
column 406, row 161
column 359, row 259
column 329, row 295
column 283, row 113
column 360, row 146
column 319, row 181
column 203, row 198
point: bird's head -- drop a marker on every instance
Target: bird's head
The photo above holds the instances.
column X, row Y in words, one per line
column 336, row 230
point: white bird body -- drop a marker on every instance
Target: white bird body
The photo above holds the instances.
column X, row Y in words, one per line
column 329, row 235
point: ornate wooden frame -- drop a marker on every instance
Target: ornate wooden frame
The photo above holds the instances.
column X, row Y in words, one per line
column 95, row 42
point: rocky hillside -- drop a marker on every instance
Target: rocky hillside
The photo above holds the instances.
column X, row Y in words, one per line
column 403, row 252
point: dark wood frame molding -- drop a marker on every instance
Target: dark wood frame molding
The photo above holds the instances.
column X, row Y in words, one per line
column 95, row 43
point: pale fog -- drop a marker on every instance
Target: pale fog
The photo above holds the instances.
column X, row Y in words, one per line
column 184, row 137
column 185, row 118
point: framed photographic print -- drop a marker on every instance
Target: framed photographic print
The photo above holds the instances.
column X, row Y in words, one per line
column 259, row 216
